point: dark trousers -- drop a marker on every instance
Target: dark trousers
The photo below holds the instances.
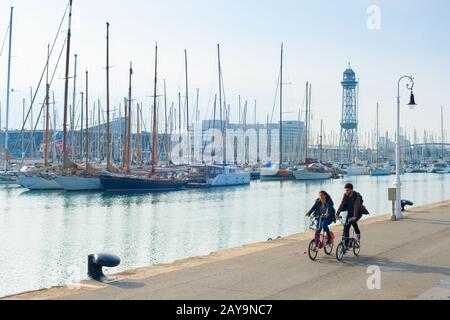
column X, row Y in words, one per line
column 348, row 226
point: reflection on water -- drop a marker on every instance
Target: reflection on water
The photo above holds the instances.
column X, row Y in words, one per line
column 46, row 236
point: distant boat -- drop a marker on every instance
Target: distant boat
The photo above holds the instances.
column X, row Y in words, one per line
column 358, row 171
column 36, row 180
column 274, row 172
column 128, row 183
column 315, row 171
column 380, row 171
column 439, row 168
column 8, row 178
column 217, row 176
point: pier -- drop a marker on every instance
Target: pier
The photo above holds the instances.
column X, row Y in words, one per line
column 411, row 255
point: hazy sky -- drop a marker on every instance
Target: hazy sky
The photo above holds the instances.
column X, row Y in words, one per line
column 321, row 37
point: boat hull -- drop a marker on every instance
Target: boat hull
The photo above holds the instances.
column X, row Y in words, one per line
column 38, row 183
column 380, row 172
column 311, row 176
column 269, row 174
column 129, row 184
column 73, row 183
column 6, row 180
column 231, row 179
column 358, row 171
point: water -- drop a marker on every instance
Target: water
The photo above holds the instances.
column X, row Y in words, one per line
column 45, row 237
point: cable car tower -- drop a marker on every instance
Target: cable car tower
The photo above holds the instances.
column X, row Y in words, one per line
column 349, row 123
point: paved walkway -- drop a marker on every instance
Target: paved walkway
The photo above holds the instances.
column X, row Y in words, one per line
column 412, row 254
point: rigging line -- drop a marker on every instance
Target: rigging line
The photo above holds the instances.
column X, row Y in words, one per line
column 43, row 103
column 276, row 99
column 43, row 73
column 4, row 41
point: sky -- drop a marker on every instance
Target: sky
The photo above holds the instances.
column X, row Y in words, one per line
column 401, row 37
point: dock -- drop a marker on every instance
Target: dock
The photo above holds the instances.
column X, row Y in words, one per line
column 411, row 255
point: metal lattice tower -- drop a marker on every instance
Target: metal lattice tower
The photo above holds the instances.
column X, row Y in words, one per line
column 349, row 123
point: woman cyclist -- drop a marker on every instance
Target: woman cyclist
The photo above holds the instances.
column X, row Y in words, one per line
column 325, row 214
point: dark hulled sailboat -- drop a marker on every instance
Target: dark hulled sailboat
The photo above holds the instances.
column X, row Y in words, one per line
column 145, row 183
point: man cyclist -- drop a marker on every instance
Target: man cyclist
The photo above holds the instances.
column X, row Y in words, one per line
column 353, row 204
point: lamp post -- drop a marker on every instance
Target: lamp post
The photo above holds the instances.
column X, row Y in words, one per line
column 397, row 183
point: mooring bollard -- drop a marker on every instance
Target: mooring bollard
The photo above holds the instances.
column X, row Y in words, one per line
column 96, row 263
column 406, row 203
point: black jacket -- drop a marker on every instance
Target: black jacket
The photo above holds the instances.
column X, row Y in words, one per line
column 329, row 204
column 353, row 205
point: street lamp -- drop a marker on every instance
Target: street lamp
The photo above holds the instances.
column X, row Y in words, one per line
column 397, row 183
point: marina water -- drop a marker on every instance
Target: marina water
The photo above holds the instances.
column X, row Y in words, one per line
column 45, row 237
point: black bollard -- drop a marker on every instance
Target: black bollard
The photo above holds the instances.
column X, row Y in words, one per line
column 406, row 203
column 96, row 263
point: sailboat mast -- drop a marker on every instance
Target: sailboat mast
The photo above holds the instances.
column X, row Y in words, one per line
column 378, row 134
column 442, row 133
column 155, row 128
column 98, row 132
column 72, row 112
column 221, row 106
column 108, row 133
column 197, row 106
column 23, row 121
column 87, row 120
column 187, row 105
column 47, row 111
column 128, row 158
column 125, row 136
column 166, row 141
column 281, row 107
column 138, row 137
column 321, row 142
column 306, row 122
column 66, row 89
column 8, row 89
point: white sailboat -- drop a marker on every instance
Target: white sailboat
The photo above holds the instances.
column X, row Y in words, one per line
column 5, row 177
column 315, row 171
column 439, row 168
column 85, row 181
column 217, row 176
column 277, row 171
column 379, row 170
column 35, row 179
column 358, row 170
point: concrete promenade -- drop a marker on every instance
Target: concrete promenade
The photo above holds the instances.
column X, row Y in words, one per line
column 413, row 256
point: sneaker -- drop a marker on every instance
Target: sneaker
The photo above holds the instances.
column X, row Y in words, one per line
column 358, row 238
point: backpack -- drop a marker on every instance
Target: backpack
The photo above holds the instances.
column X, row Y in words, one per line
column 363, row 210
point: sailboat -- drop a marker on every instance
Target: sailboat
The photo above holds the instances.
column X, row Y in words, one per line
column 358, row 169
column 379, row 170
column 145, row 182
column 276, row 171
column 314, row 171
column 204, row 176
column 31, row 177
column 87, row 180
column 8, row 176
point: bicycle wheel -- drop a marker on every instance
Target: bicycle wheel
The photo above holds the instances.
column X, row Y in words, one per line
column 356, row 248
column 329, row 248
column 340, row 252
column 312, row 250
